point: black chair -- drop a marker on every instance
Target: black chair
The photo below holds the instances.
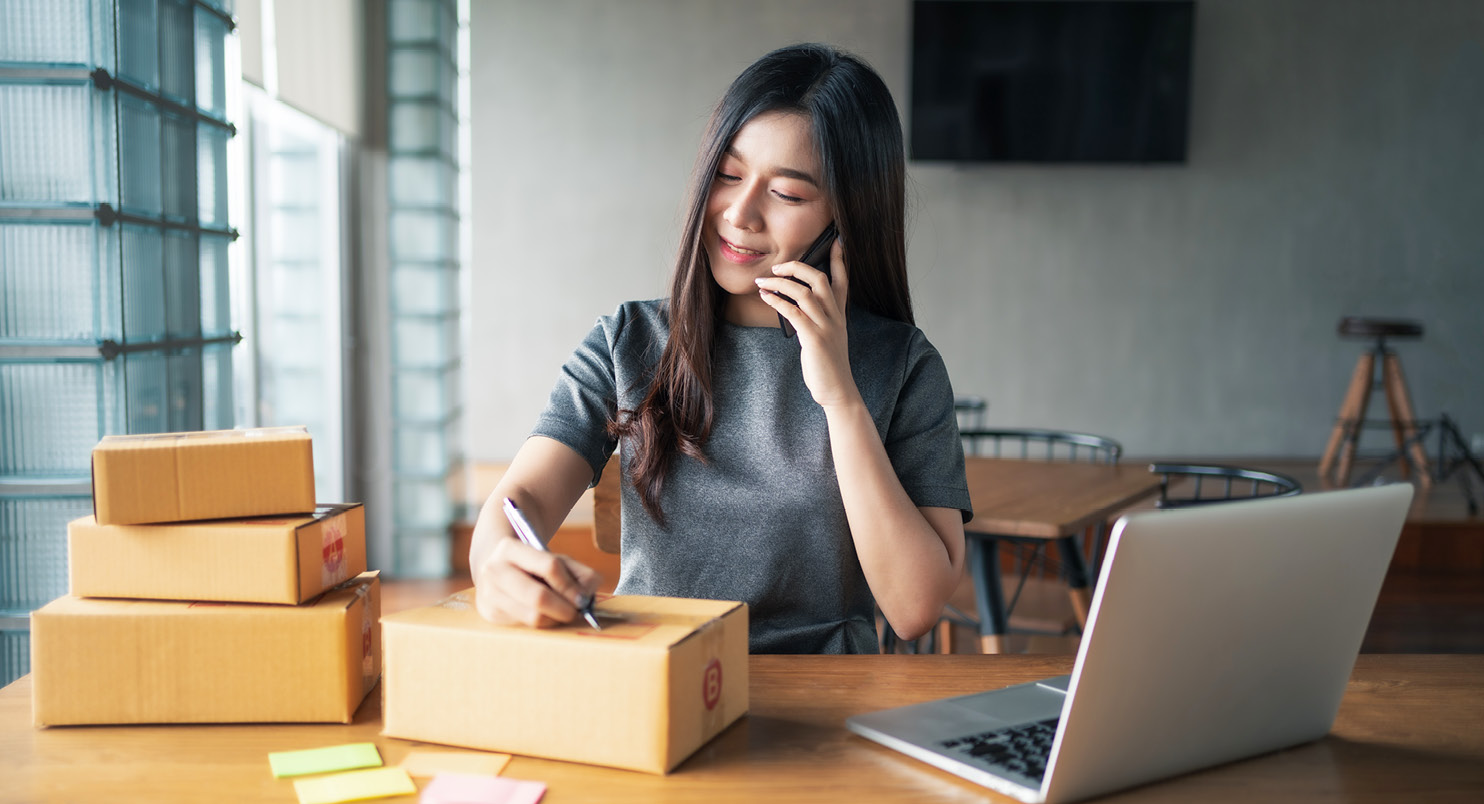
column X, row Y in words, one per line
column 1216, row 484
column 970, row 411
column 984, row 564
column 1041, row 445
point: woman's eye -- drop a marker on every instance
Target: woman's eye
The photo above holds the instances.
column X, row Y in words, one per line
column 727, row 177
column 792, row 199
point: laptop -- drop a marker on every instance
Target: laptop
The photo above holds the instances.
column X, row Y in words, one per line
column 1216, row 633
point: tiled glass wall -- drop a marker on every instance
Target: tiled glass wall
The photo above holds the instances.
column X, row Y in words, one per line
column 423, row 184
column 113, row 258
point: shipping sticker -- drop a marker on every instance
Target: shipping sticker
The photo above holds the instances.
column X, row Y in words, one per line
column 459, row 601
column 333, row 570
column 613, row 628
column 711, row 684
column 713, row 689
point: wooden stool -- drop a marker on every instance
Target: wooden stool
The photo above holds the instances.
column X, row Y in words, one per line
column 1339, row 454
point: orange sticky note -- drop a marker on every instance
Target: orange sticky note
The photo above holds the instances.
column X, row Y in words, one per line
column 432, row 763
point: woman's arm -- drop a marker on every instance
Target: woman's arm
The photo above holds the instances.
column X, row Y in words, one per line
column 514, row 583
column 912, row 557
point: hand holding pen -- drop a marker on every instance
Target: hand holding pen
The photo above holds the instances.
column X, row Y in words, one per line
column 527, row 534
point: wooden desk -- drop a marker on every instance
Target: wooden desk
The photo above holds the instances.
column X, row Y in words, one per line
column 1053, row 500
column 1407, row 731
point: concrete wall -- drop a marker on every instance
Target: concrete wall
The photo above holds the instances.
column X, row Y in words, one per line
column 313, row 57
column 1335, row 168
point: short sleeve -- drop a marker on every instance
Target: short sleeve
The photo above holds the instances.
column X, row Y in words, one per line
column 922, row 438
column 585, row 396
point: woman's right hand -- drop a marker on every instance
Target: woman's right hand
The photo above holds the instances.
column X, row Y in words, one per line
column 516, row 583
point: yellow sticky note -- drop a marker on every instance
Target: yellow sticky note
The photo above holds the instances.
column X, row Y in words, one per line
column 432, row 763
column 354, row 786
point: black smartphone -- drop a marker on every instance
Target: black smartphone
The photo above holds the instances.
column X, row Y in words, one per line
column 816, row 256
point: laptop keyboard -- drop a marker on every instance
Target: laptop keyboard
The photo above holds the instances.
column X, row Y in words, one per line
column 1020, row 749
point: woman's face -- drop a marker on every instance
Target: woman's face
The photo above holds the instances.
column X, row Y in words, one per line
column 766, row 206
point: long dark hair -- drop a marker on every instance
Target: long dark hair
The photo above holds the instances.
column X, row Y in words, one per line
column 858, row 137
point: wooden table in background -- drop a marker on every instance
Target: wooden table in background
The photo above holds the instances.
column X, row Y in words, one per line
column 1050, row 500
column 1408, row 730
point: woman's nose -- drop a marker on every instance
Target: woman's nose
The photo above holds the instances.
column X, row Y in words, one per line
column 742, row 210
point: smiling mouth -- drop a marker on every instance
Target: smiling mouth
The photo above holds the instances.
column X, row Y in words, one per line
column 733, row 248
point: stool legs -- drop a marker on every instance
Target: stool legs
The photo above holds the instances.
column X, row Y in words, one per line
column 1339, row 453
column 1346, row 432
column 1403, row 421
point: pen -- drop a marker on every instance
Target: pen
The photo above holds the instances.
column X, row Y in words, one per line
column 528, row 535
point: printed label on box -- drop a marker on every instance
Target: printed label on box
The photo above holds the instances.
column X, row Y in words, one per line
column 711, row 684
column 333, row 569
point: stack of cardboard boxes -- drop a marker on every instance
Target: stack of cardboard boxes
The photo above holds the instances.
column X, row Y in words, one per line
column 208, row 587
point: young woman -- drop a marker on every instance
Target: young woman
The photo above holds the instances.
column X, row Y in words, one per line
column 809, row 477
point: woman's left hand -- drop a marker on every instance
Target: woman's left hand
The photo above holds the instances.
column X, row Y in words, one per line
column 819, row 320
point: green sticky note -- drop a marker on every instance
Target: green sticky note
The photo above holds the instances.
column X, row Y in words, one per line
column 324, row 760
column 354, row 786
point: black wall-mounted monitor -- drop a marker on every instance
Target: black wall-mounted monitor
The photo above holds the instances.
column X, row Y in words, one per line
column 1051, row 80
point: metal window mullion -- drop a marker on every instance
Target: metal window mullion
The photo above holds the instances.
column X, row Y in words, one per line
column 72, row 73
column 104, row 80
column 110, row 348
column 218, row 13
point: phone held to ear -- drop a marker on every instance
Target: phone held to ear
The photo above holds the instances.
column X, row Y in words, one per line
column 816, row 256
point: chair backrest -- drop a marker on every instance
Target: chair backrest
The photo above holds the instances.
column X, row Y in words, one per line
column 970, row 411
column 1214, row 484
column 1041, row 445
column 606, row 503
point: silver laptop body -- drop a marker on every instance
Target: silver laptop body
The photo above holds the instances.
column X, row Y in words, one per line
column 1216, row 633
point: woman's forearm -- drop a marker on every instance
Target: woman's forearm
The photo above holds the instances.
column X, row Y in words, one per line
column 912, row 558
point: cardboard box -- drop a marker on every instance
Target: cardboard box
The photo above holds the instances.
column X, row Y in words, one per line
column 220, row 474
column 151, row 661
column 266, row 560
column 663, row 677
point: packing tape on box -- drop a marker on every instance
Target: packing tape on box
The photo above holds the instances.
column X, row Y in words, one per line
column 368, row 662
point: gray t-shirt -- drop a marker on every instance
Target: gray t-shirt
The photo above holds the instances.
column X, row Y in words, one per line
column 761, row 520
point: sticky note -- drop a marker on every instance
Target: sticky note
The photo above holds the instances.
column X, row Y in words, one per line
column 465, row 788
column 324, row 760
column 354, row 786
column 432, row 763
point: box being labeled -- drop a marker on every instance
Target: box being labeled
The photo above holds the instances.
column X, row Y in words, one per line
column 151, row 661
column 265, row 560
column 219, row 474
column 664, row 676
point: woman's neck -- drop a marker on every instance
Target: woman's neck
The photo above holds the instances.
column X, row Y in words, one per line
column 749, row 311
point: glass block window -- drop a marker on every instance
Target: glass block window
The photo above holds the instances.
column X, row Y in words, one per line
column 114, row 308
column 423, row 81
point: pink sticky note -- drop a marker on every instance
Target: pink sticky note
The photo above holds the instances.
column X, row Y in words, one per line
column 469, row 788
